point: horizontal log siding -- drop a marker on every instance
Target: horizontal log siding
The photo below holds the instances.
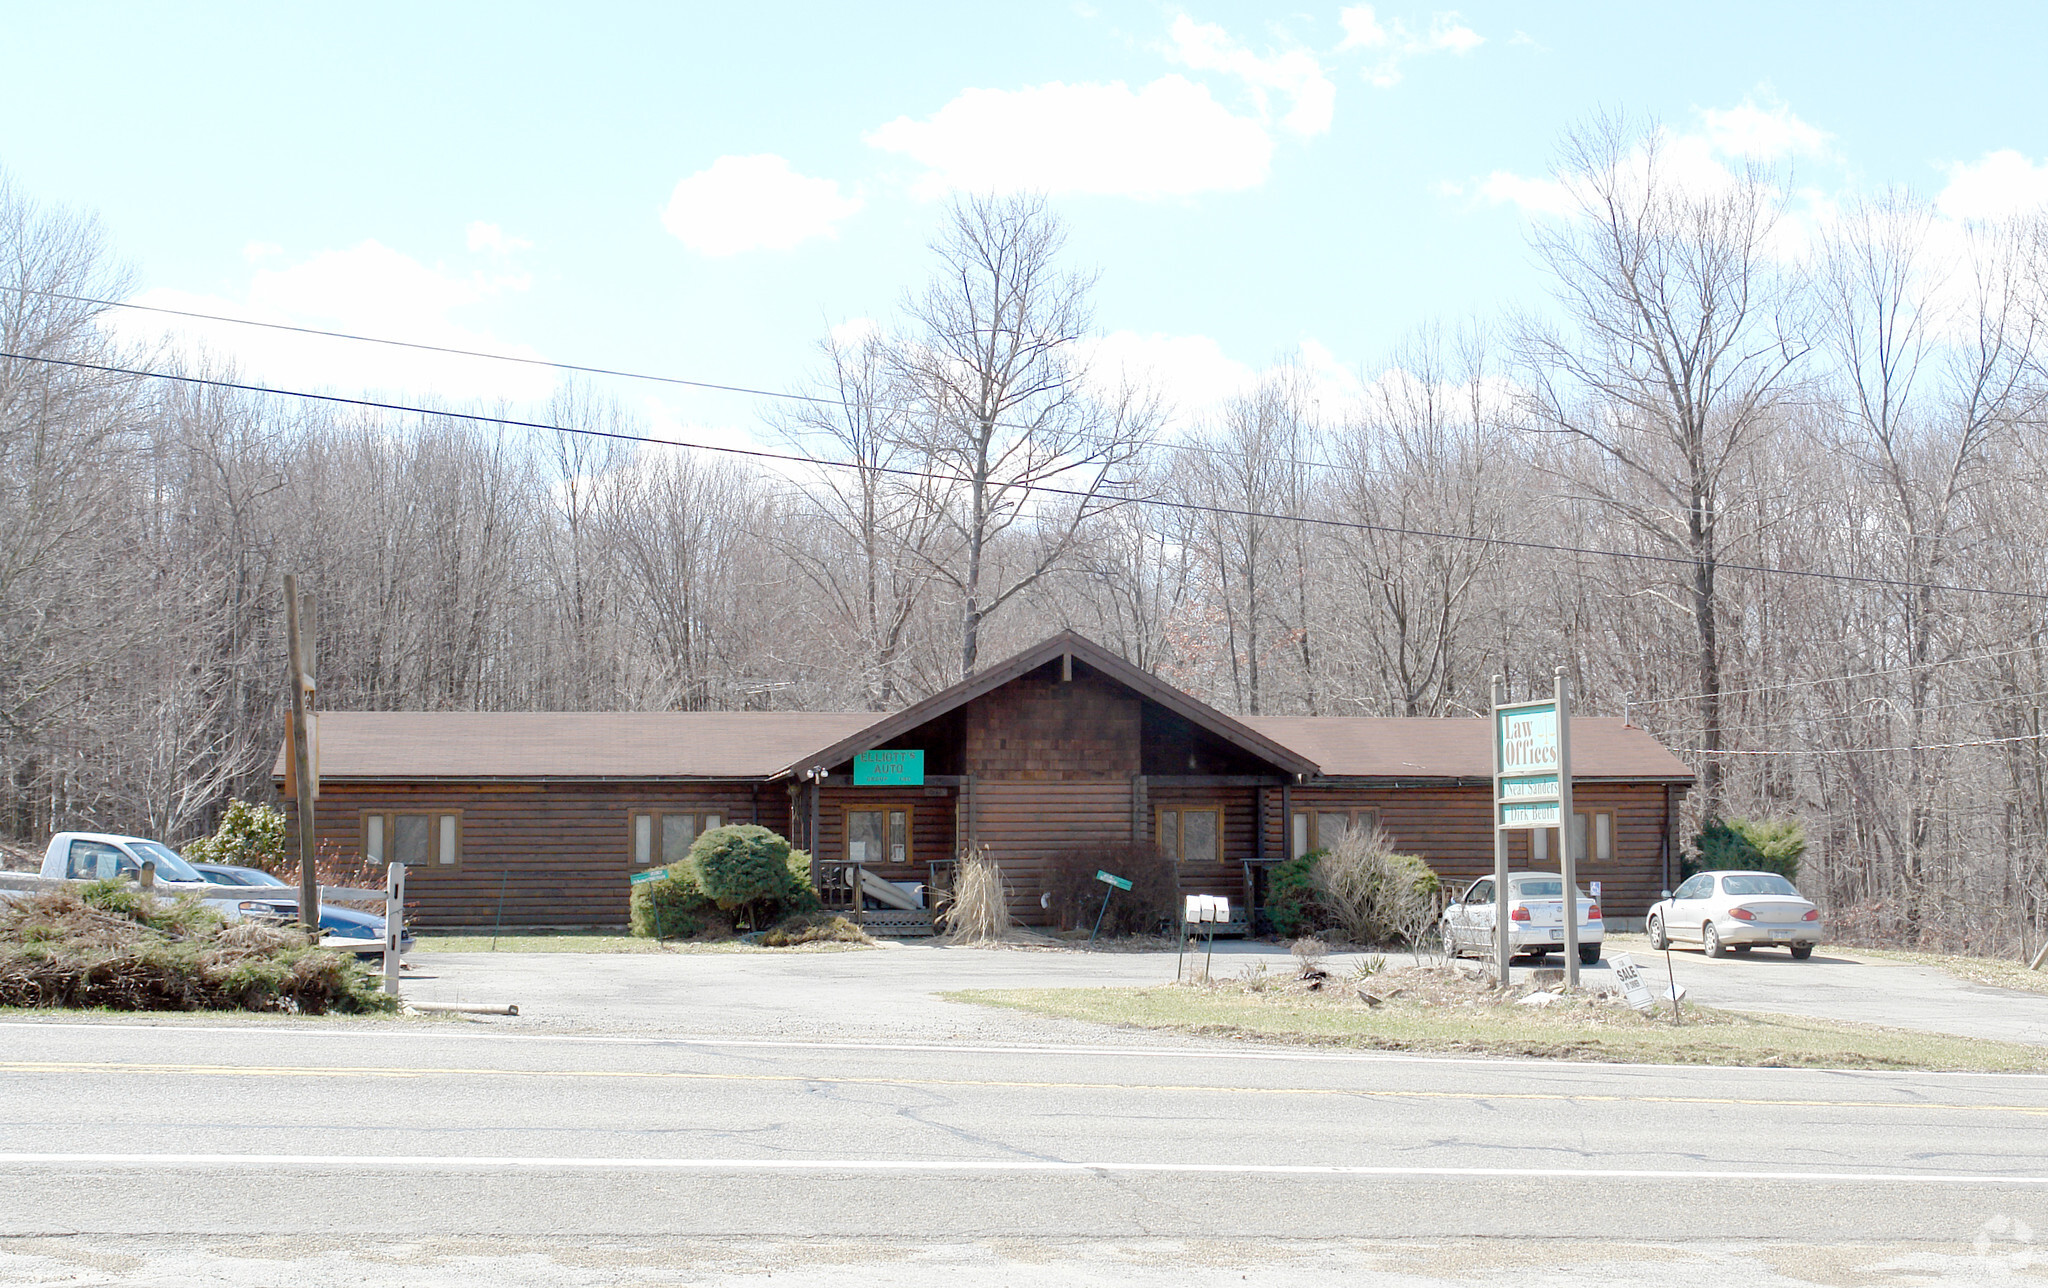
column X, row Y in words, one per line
column 561, row 850
column 931, row 825
column 1022, row 824
column 1449, row 827
column 1239, row 818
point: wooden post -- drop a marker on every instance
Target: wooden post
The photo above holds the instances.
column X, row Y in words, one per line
column 1569, row 862
column 299, row 650
column 1500, row 843
column 394, row 922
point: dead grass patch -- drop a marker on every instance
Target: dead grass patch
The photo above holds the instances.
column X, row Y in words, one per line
column 1458, row 1012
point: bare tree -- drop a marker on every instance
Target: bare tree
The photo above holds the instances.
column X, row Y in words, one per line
column 1023, row 447
column 872, row 560
column 1684, row 340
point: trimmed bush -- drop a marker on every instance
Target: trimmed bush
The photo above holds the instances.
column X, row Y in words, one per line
column 1291, row 895
column 249, row 836
column 1144, row 909
column 672, row 907
column 748, row 871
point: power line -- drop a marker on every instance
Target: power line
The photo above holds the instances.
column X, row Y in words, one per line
column 1859, row 751
column 1863, row 675
column 1503, row 543
column 586, row 369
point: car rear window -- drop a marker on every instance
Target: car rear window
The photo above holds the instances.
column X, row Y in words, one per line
column 1758, row 883
column 1540, row 889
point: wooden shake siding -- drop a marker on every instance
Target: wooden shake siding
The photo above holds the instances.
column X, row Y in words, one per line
column 1023, row 824
column 561, row 851
column 1449, row 827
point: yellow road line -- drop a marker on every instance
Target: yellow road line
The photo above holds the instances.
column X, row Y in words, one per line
column 634, row 1075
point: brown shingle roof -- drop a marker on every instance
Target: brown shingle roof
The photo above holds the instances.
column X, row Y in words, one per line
column 406, row 745
column 1371, row 747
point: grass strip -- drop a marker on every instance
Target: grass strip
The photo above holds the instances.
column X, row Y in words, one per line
column 1571, row 1030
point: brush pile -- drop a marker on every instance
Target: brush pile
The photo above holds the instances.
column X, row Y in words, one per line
column 114, row 946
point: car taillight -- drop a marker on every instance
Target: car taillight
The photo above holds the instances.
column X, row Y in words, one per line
column 1594, row 915
column 1812, row 914
column 1742, row 914
column 1518, row 913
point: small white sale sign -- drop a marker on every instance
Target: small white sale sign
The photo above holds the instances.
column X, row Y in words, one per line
column 1632, row 982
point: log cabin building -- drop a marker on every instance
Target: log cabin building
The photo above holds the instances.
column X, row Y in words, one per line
column 540, row 818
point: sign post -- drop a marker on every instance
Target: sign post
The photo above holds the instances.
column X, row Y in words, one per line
column 653, row 896
column 394, row 922
column 1115, row 883
column 1532, row 790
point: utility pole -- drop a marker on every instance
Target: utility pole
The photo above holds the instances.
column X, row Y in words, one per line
column 300, row 646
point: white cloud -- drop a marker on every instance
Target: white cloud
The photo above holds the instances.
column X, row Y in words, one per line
column 261, row 250
column 1396, row 44
column 1168, row 139
column 1763, row 132
column 491, row 238
column 1536, row 196
column 1361, row 29
column 2001, row 183
column 1296, row 73
column 753, row 203
column 367, row 289
column 1191, row 372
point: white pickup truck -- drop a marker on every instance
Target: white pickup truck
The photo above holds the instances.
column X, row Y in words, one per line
column 97, row 856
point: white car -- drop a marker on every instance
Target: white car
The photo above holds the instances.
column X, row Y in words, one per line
column 1535, row 919
column 1739, row 910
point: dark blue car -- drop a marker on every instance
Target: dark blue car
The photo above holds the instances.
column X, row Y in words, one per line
column 341, row 923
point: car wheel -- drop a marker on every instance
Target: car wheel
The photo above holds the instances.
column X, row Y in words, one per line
column 1451, row 950
column 1710, row 939
column 1658, row 940
column 1800, row 952
column 1589, row 954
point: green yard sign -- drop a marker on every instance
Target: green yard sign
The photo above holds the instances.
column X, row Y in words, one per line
column 1116, row 881
column 888, row 769
column 652, row 874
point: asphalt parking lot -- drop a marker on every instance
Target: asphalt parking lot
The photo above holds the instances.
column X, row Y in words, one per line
column 890, row 992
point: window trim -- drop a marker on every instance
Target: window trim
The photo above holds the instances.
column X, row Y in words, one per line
column 1177, row 851
column 849, row 809
column 437, row 833
column 1311, row 814
column 654, row 815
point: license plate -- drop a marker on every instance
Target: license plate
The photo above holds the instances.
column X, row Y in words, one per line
column 1781, row 934
column 1557, row 934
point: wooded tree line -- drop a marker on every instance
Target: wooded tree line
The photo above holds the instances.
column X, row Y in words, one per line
column 1774, row 487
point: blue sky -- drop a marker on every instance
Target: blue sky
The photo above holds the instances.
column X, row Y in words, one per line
column 700, row 190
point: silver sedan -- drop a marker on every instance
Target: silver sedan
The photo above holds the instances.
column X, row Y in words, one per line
column 1738, row 910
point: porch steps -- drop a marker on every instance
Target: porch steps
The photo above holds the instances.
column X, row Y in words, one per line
column 892, row 924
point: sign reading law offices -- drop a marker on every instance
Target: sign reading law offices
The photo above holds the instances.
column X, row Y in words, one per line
column 888, row 769
column 1530, row 756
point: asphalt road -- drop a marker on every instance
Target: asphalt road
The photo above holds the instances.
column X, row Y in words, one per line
column 281, row 1154
column 889, row 992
